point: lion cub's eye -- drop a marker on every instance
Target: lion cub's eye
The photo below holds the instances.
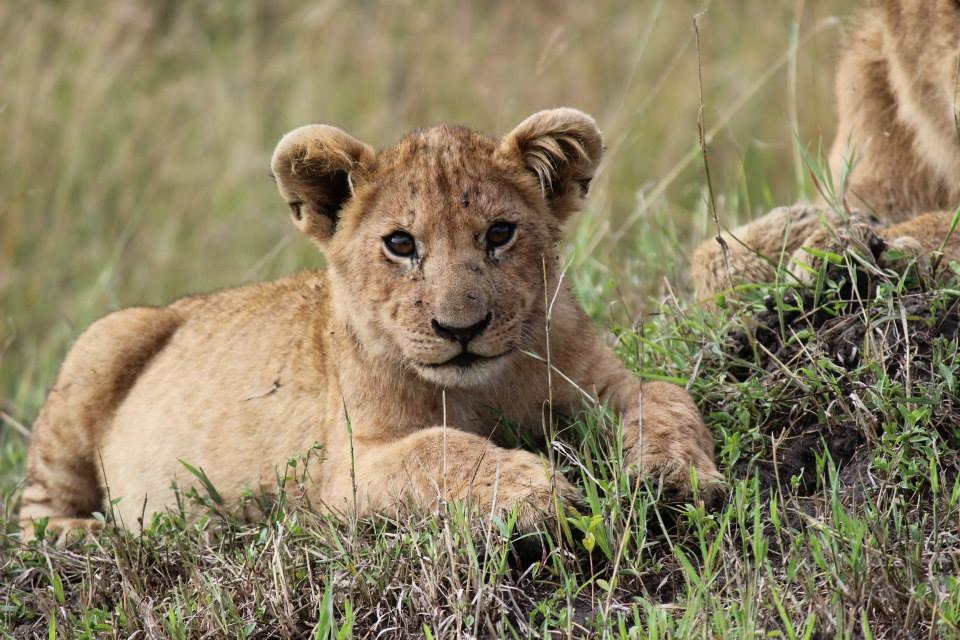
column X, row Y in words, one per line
column 400, row 244
column 499, row 234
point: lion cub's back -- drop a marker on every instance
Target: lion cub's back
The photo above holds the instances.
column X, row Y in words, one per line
column 231, row 392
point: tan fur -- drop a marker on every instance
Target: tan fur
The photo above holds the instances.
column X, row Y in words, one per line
column 347, row 362
column 898, row 138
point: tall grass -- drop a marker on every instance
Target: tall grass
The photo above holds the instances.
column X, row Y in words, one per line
column 136, row 135
column 135, row 138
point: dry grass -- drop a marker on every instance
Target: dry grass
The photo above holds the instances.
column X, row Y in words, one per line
column 136, row 137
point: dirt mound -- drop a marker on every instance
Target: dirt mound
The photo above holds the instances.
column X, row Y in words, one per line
column 846, row 364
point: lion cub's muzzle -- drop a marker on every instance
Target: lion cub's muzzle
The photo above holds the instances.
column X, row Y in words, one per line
column 463, row 335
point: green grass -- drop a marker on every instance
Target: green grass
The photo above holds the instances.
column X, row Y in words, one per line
column 840, row 540
column 136, row 140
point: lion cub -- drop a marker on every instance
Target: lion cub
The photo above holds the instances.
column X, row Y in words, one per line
column 394, row 365
column 897, row 143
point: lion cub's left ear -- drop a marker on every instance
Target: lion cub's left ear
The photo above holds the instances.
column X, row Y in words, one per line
column 316, row 168
column 562, row 148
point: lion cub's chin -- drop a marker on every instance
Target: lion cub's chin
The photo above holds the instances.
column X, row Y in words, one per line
column 478, row 373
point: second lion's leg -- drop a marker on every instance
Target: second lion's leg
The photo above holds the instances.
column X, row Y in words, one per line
column 925, row 234
column 751, row 252
column 436, row 465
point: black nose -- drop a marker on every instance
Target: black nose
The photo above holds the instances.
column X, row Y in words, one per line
column 463, row 335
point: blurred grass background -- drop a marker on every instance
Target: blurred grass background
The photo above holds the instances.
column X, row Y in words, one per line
column 136, row 136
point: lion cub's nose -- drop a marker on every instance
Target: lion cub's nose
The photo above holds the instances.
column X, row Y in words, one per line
column 463, row 335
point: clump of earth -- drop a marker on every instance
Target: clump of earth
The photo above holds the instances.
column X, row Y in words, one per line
column 828, row 356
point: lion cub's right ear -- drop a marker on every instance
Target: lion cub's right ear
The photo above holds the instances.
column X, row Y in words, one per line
column 316, row 167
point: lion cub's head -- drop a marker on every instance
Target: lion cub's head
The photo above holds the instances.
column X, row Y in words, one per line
column 437, row 248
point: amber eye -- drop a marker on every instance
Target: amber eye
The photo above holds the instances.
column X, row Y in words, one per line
column 499, row 234
column 400, row 244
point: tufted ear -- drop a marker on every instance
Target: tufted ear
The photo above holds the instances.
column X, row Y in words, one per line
column 562, row 148
column 316, row 167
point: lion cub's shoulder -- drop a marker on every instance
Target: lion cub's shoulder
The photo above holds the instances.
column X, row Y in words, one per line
column 303, row 291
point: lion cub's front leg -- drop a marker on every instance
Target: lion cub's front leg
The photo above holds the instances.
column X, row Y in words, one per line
column 436, row 465
column 665, row 437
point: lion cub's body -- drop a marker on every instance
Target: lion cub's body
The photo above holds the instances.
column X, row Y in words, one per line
column 897, row 102
column 146, row 387
column 220, row 385
column 896, row 155
column 389, row 372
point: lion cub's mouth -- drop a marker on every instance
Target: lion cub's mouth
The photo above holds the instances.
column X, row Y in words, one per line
column 464, row 360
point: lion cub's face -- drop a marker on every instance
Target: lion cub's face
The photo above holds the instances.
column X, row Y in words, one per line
column 447, row 255
column 438, row 247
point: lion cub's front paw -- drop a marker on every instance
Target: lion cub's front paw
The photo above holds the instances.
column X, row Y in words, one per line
column 540, row 495
column 62, row 530
column 668, row 439
column 902, row 252
column 858, row 233
column 673, row 468
column 898, row 253
column 521, row 480
column 674, row 475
